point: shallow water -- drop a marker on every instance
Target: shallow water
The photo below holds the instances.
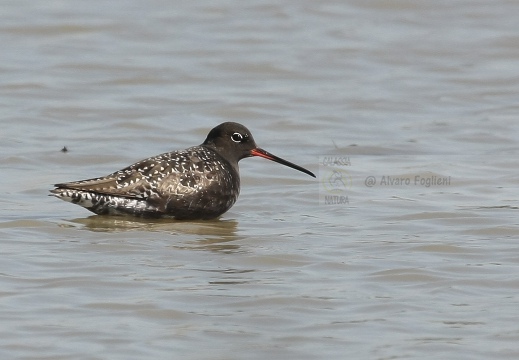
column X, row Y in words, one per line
column 406, row 246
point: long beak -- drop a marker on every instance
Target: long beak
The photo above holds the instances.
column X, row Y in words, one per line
column 265, row 154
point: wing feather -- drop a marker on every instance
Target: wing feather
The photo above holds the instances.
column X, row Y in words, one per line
column 167, row 174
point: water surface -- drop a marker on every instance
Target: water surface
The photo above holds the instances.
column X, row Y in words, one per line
column 365, row 262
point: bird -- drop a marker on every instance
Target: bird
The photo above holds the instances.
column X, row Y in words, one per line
column 199, row 183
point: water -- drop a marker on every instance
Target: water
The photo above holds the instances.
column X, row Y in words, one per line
column 366, row 262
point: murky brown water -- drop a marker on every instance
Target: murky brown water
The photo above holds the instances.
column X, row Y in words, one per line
column 407, row 246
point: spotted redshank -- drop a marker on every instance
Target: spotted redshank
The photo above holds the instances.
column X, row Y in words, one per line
column 201, row 182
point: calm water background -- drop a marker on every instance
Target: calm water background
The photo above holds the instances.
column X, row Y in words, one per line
column 298, row 268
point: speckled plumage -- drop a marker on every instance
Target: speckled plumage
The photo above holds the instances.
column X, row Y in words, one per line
column 201, row 182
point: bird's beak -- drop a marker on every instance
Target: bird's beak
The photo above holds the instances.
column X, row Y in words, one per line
column 265, row 154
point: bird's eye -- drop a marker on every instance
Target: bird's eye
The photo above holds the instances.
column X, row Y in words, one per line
column 237, row 137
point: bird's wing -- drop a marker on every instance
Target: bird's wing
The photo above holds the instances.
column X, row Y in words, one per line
column 136, row 181
column 169, row 173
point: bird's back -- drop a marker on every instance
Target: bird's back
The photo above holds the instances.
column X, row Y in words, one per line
column 196, row 183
